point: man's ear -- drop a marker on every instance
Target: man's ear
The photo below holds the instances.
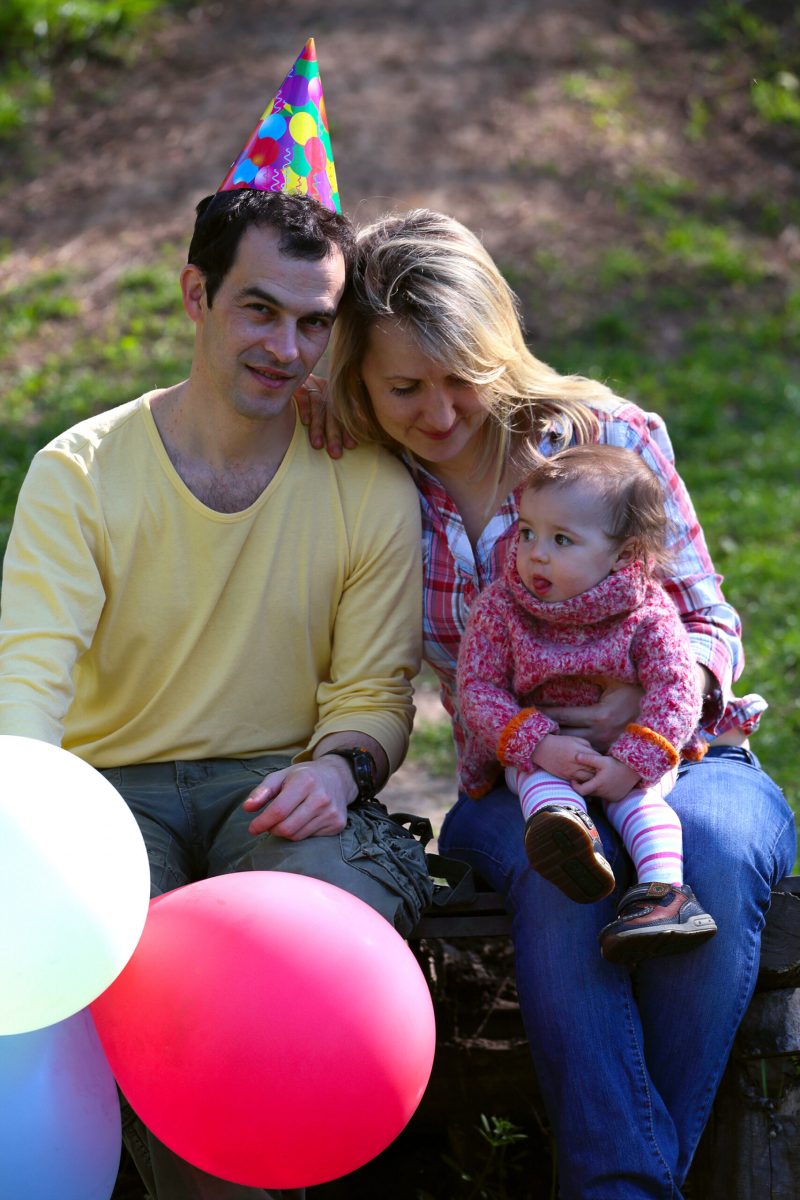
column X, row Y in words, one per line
column 626, row 554
column 193, row 292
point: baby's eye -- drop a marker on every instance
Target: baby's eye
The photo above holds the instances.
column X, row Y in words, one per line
column 526, row 535
column 561, row 539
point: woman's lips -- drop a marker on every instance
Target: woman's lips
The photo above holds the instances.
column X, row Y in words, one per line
column 436, row 435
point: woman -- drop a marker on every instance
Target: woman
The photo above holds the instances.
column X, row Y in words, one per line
column 428, row 357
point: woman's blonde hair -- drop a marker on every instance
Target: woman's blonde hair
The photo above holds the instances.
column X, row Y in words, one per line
column 430, row 273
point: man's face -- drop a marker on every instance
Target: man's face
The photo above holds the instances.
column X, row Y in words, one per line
column 268, row 326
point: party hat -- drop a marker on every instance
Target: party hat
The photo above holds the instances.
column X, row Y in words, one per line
column 290, row 148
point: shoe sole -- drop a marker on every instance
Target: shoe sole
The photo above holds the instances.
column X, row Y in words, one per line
column 563, row 853
column 637, row 945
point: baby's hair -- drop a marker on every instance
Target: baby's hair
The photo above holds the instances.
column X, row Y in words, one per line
column 628, row 491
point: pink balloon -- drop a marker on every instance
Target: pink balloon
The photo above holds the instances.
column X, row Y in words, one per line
column 271, row 1029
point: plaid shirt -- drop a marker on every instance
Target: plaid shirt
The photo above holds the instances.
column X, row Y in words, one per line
column 454, row 574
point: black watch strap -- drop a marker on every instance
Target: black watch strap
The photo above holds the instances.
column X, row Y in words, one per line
column 362, row 764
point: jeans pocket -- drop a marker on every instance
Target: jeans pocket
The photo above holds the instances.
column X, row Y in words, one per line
column 264, row 765
column 375, row 844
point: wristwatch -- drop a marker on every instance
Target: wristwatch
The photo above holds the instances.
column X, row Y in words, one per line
column 362, row 764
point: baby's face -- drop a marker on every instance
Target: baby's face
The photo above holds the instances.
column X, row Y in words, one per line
column 563, row 550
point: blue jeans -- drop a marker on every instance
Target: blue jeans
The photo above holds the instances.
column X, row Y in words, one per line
column 629, row 1062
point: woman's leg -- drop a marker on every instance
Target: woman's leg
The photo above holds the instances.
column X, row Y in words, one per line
column 585, row 1030
column 615, row 1139
column 739, row 841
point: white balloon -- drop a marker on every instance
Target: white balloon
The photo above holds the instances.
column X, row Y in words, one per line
column 74, row 884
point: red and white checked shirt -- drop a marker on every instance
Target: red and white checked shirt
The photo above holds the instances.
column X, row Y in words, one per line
column 454, row 574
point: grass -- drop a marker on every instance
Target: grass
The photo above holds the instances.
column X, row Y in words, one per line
column 38, row 35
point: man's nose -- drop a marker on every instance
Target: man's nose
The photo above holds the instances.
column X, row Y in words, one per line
column 281, row 341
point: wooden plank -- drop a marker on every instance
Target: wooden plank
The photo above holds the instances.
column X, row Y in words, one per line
column 485, row 917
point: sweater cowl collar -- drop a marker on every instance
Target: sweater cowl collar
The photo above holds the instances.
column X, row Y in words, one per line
column 618, row 593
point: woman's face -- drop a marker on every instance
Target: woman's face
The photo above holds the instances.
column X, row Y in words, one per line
column 417, row 402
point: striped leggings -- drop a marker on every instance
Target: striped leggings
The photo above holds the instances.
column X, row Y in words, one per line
column 649, row 828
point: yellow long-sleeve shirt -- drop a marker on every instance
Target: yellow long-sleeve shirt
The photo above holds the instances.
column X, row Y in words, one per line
column 138, row 625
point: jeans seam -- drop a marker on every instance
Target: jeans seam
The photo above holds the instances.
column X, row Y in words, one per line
column 643, row 1077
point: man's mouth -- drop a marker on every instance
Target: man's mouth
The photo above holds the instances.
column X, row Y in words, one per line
column 270, row 378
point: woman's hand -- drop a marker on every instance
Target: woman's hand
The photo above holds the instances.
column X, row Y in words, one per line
column 317, row 415
column 601, row 723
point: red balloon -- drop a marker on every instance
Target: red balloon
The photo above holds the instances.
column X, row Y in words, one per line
column 270, row 1028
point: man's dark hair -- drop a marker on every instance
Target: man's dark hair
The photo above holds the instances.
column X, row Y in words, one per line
column 306, row 230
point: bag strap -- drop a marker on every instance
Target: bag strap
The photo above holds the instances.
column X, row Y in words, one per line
column 453, row 880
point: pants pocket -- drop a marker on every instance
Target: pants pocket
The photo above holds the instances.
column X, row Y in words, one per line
column 375, row 844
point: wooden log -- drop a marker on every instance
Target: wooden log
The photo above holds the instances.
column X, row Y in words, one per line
column 750, row 1149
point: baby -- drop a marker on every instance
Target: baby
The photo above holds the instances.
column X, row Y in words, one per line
column 579, row 606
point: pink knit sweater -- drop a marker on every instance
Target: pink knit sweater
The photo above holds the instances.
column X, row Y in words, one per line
column 519, row 651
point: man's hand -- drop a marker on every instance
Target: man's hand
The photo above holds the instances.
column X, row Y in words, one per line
column 567, row 757
column 612, row 780
column 308, row 799
column 317, row 415
column 602, row 723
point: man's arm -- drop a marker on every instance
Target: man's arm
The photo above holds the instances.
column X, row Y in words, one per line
column 376, row 644
column 52, row 596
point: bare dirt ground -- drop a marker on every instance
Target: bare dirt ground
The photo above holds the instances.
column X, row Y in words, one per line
column 459, row 104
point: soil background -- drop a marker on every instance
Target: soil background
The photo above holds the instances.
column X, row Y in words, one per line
column 462, row 105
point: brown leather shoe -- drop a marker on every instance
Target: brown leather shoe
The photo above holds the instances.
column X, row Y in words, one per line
column 655, row 919
column 564, row 847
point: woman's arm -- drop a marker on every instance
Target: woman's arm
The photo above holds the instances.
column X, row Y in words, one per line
column 692, row 583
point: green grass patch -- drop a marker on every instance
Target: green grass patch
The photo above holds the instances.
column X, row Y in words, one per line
column 432, row 747
column 37, row 35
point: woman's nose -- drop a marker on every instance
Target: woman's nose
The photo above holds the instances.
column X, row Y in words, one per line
column 442, row 412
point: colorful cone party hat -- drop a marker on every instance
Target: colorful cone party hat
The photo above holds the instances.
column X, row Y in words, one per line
column 290, row 148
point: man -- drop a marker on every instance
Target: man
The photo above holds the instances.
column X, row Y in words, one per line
column 219, row 618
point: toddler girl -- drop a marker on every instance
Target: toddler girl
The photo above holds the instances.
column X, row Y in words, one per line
column 578, row 606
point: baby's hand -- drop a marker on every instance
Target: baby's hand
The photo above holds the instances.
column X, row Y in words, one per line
column 612, row 780
column 557, row 753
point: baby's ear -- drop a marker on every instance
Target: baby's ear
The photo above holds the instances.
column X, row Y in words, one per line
column 626, row 554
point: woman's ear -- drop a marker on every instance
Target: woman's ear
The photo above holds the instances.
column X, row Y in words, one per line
column 626, row 553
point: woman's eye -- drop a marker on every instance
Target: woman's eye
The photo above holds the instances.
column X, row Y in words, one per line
column 403, row 391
